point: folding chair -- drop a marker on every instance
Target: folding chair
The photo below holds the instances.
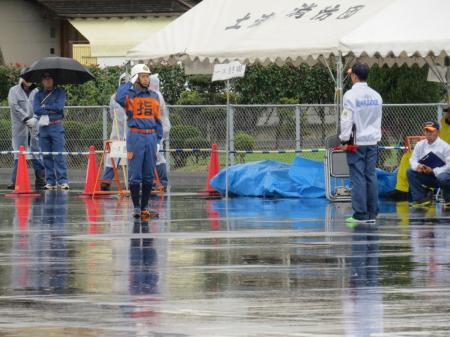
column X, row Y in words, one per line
column 336, row 171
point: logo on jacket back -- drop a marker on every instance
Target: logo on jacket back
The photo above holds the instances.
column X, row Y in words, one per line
column 366, row 102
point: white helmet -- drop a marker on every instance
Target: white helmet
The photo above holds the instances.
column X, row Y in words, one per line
column 140, row 69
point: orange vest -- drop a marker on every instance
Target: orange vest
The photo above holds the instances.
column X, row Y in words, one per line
column 143, row 107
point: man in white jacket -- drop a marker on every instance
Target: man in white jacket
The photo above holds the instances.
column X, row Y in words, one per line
column 25, row 129
column 360, row 134
column 421, row 177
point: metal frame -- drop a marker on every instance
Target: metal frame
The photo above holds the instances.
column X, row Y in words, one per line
column 335, row 166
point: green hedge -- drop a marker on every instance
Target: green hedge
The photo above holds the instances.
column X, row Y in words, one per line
column 99, row 92
column 5, row 135
column 243, row 142
column 261, row 85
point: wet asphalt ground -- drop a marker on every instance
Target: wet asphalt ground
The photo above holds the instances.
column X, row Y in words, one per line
column 247, row 267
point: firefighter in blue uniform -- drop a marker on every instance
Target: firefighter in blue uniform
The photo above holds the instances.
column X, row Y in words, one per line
column 48, row 107
column 142, row 107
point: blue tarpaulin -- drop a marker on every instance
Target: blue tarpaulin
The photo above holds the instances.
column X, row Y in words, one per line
column 268, row 178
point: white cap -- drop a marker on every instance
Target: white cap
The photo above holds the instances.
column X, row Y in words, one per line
column 140, row 69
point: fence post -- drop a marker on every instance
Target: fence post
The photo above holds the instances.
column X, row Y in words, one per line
column 167, row 153
column 227, row 148
column 439, row 112
column 297, row 130
column 231, row 128
column 105, row 123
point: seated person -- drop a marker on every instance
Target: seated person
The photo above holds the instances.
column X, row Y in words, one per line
column 402, row 187
column 422, row 177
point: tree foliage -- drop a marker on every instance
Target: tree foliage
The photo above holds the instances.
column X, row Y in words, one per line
column 272, row 83
column 405, row 84
column 98, row 92
column 261, row 85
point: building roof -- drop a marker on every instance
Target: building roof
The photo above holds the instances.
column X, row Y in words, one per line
column 98, row 8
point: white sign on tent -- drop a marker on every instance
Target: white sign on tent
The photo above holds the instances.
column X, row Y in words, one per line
column 227, row 71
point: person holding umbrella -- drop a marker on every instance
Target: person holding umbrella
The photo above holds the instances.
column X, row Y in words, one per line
column 24, row 128
column 48, row 109
column 142, row 107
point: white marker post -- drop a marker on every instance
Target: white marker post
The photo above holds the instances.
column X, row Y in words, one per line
column 225, row 72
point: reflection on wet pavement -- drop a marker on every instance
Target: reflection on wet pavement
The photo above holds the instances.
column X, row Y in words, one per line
column 246, row 267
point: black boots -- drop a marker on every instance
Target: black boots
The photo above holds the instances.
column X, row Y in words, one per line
column 140, row 202
column 136, row 198
column 146, row 190
column 39, row 181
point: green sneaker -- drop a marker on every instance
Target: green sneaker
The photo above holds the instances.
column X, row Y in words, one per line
column 422, row 204
column 351, row 222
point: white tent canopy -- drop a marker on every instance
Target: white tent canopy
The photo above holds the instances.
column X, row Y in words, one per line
column 289, row 31
column 263, row 31
column 406, row 31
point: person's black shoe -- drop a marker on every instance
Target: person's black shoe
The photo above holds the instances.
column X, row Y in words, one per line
column 39, row 182
column 11, row 187
column 396, row 195
column 105, row 186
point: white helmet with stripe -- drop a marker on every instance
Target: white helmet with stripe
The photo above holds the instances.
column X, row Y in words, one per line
column 140, row 69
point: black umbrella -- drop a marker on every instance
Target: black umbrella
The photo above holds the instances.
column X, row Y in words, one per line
column 64, row 70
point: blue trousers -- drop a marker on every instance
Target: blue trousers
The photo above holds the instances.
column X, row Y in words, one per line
column 141, row 150
column 419, row 181
column 362, row 165
column 108, row 174
column 162, row 174
column 51, row 139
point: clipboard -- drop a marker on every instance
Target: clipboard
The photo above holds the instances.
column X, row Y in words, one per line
column 431, row 160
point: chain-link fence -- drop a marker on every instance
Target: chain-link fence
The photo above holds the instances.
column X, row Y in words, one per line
column 256, row 129
column 84, row 126
column 196, row 127
column 400, row 121
column 280, row 127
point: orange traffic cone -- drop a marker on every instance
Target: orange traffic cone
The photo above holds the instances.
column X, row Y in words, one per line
column 213, row 169
column 23, row 186
column 91, row 184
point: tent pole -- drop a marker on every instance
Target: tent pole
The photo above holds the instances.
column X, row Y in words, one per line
column 339, row 88
column 447, row 64
column 227, row 141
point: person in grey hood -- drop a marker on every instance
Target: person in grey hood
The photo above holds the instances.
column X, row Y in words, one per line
column 161, row 163
column 24, row 128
